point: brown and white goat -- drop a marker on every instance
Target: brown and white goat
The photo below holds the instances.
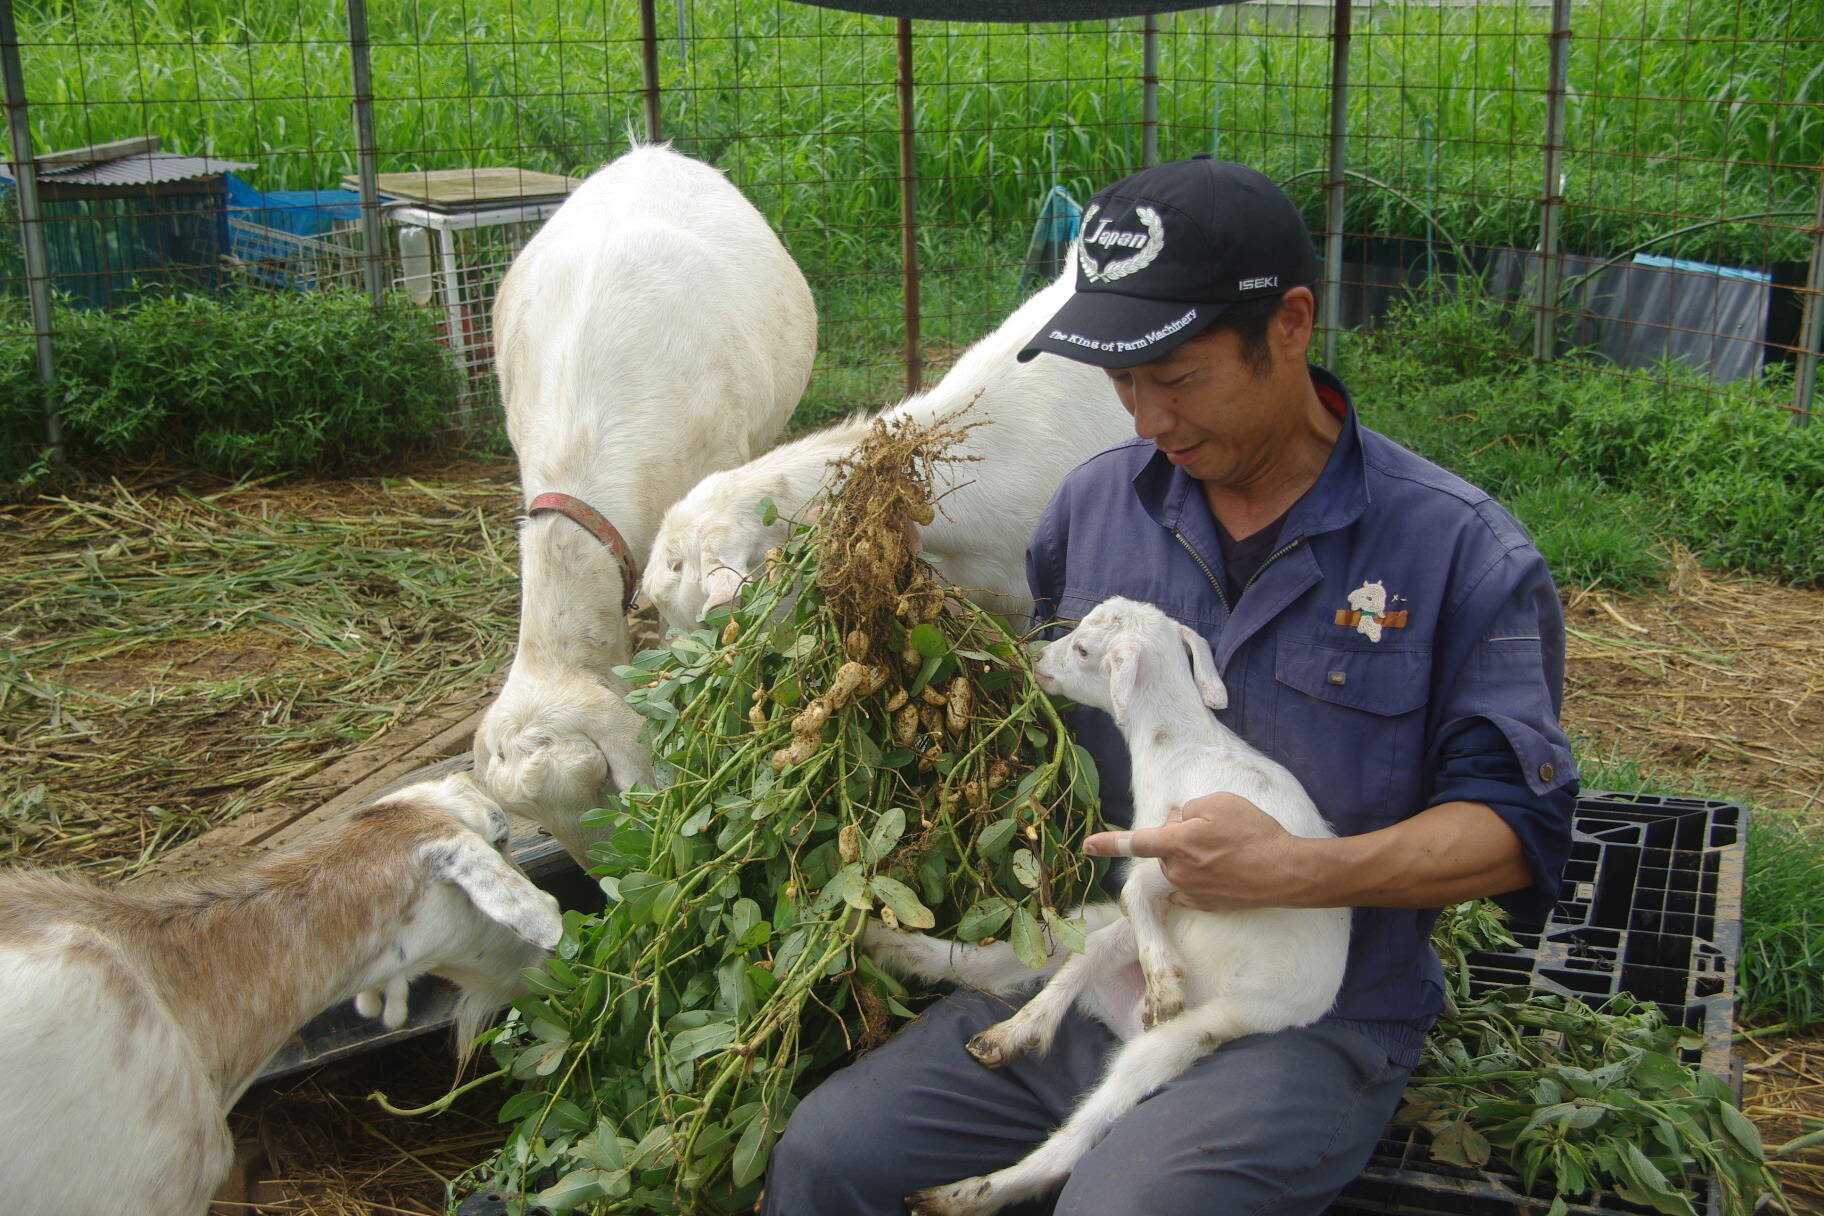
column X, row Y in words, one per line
column 131, row 1021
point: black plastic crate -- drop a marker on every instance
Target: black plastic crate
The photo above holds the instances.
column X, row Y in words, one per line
column 1651, row 906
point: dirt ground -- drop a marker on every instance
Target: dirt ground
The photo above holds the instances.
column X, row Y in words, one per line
column 1717, row 680
column 1714, row 683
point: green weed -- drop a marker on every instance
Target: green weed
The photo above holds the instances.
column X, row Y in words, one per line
column 1674, row 118
column 238, row 384
column 1782, row 969
column 1599, row 465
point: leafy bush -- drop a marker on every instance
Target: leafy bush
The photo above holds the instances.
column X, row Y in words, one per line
column 238, row 384
column 1600, row 465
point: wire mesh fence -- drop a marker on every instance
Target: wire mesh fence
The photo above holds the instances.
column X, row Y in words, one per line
column 1629, row 183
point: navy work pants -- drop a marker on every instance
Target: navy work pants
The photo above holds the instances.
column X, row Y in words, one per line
column 1266, row 1124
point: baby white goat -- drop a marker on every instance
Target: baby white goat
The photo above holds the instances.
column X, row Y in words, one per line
column 1203, row 977
column 653, row 331
column 130, row 1022
column 1045, row 417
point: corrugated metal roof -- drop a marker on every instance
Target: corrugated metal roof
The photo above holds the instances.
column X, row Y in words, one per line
column 145, row 169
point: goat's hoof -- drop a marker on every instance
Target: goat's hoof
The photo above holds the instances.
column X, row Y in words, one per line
column 963, row 1198
column 987, row 1052
column 1164, row 1009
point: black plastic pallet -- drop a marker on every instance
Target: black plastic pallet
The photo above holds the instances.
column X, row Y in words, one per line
column 1651, row 906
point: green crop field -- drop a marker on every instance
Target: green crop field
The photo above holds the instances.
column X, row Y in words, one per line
column 1693, row 132
column 1678, row 115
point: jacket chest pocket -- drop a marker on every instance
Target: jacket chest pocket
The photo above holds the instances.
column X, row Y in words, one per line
column 1351, row 725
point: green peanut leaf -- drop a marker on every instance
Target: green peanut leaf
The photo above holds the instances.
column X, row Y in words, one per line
column 1657, row 1071
column 574, row 1188
column 751, row 1152
column 836, row 890
column 1461, row 1144
column 886, row 833
column 928, row 640
column 984, row 919
column 601, row 1148
column 522, row 1104
column 904, row 902
column 700, row 1041
column 994, row 837
column 1069, row 933
column 1741, row 1130
column 1028, row 939
column 855, row 890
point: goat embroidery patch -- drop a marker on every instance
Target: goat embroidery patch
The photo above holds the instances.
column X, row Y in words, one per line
column 1367, row 612
column 1149, row 245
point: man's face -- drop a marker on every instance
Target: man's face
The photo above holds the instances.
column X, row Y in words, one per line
column 1206, row 408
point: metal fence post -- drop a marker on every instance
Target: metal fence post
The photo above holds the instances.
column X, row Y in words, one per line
column 1339, row 163
column 908, row 209
column 649, row 65
column 1149, row 91
column 1811, row 323
column 31, row 232
column 1551, row 200
column 373, row 266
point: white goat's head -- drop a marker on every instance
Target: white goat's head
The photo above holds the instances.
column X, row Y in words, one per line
column 1101, row 661
column 708, row 542
column 551, row 746
column 460, row 838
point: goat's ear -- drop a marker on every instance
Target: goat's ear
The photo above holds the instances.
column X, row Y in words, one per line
column 720, row 585
column 1121, row 664
column 1203, row 668
column 502, row 894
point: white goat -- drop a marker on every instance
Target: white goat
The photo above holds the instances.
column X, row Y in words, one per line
column 1172, row 982
column 653, row 331
column 1046, row 417
column 130, row 1022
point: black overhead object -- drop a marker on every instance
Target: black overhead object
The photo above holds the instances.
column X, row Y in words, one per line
column 1010, row 10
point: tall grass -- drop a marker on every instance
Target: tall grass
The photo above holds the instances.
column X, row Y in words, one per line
column 1675, row 115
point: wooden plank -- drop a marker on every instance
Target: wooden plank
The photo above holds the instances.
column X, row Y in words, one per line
column 138, row 145
column 354, row 778
column 471, row 187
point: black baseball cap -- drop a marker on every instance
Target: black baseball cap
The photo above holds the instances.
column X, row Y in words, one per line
column 1165, row 251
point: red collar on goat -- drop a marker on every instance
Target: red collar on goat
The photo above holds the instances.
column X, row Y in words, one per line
column 601, row 529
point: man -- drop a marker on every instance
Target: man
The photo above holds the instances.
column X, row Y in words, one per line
column 1385, row 630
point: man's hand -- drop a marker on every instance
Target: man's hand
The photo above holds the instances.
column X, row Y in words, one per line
column 1221, row 852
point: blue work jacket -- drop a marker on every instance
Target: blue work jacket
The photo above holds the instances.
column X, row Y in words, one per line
column 1400, row 606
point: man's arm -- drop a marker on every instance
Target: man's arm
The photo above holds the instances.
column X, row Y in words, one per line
column 1224, row 852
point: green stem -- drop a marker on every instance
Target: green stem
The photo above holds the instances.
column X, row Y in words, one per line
column 440, row 1105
